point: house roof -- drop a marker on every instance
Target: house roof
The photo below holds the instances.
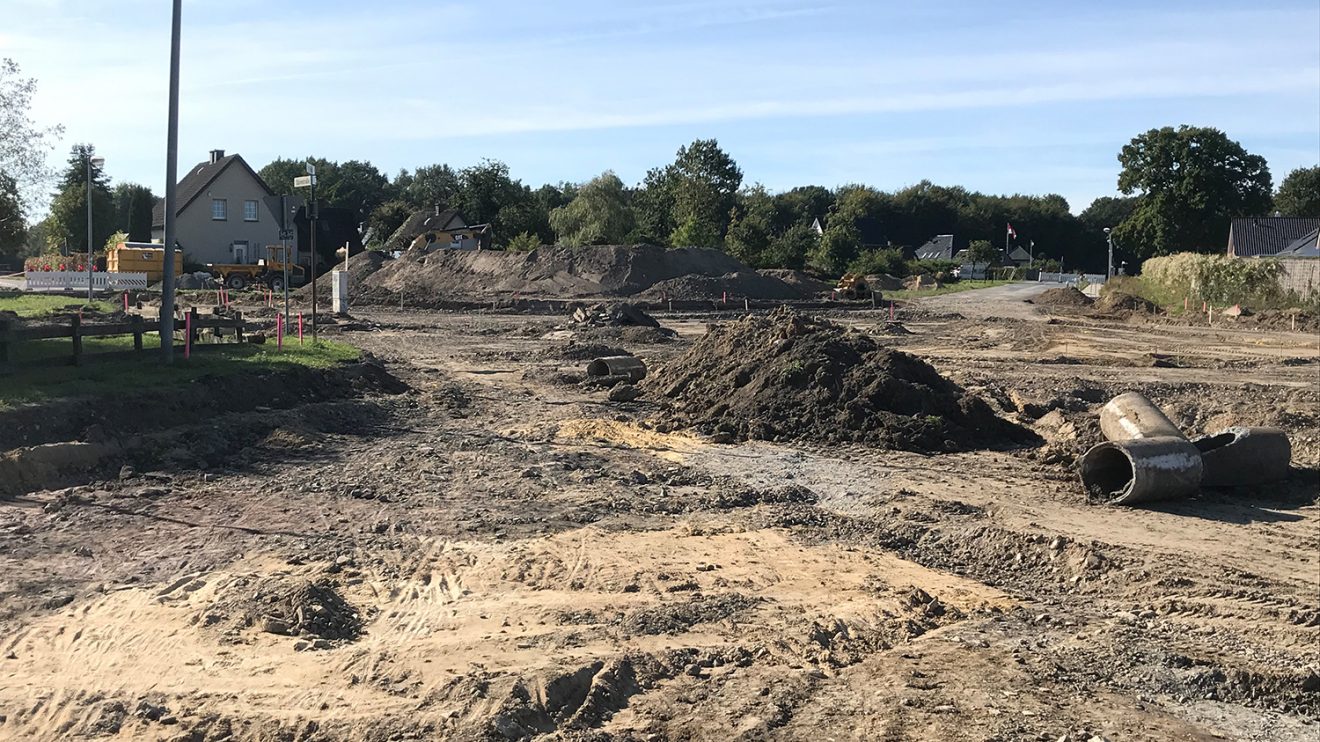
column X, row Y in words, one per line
column 424, row 221
column 939, row 247
column 1019, row 253
column 1308, row 246
column 1267, row 235
column 196, row 182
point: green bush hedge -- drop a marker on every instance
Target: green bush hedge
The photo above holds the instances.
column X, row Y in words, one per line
column 1214, row 278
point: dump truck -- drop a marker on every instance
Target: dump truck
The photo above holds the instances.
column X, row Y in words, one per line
column 268, row 271
column 141, row 257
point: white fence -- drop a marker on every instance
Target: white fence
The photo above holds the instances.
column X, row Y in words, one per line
column 74, row 280
column 1071, row 278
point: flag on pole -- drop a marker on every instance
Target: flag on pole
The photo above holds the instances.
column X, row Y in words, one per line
column 1011, row 233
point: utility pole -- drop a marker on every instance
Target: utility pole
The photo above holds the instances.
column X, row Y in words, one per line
column 302, row 182
column 171, row 181
column 91, row 255
column 1109, row 273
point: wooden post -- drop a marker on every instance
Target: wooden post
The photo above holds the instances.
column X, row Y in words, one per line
column 193, row 330
column 7, row 346
column 77, row 339
column 238, row 326
column 136, row 321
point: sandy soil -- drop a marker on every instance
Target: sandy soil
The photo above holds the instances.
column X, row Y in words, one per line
column 502, row 553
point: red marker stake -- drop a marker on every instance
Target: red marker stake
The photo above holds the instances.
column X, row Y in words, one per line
column 300, row 328
column 279, row 332
column 125, row 302
column 891, row 311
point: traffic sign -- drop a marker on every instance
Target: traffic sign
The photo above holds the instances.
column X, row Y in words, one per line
column 304, row 181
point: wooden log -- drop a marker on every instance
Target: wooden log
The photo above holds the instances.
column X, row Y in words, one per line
column 137, row 332
column 8, row 346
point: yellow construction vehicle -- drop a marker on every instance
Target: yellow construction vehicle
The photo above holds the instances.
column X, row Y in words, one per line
column 269, row 271
column 853, row 286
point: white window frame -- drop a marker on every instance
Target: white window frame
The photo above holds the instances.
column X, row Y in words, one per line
column 254, row 207
column 219, row 210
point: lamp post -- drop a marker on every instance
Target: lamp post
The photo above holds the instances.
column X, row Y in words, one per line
column 91, row 256
column 171, row 187
column 1110, row 237
column 309, row 181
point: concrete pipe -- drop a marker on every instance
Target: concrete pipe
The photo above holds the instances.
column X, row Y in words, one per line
column 630, row 366
column 1240, row 457
column 1141, row 470
column 1131, row 416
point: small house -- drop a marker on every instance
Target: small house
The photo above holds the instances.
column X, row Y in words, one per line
column 223, row 212
column 1265, row 236
column 440, row 228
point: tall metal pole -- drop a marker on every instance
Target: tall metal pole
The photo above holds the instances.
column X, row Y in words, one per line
column 171, row 181
column 312, row 214
column 1110, row 272
column 88, row 157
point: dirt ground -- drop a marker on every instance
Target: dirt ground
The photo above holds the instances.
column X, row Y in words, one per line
column 502, row 553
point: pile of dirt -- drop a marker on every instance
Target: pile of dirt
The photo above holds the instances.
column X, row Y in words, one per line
column 557, row 272
column 789, row 376
column 360, row 266
column 616, row 314
column 1067, row 296
column 921, row 282
column 1113, row 302
column 575, row 351
column 804, row 282
column 738, row 285
column 280, row 605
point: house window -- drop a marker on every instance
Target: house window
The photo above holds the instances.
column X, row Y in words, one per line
column 249, row 211
column 219, row 209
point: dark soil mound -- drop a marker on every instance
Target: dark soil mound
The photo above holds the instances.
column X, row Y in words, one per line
column 1067, row 296
column 575, row 351
column 618, row 314
column 737, row 285
column 283, row 605
column 1118, row 301
column 788, row 376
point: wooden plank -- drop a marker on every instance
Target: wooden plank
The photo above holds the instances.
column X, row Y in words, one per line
column 77, row 340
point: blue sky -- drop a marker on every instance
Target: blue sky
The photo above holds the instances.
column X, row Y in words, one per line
column 1019, row 96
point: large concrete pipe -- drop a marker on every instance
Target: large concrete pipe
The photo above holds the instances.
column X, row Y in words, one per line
column 1131, row 416
column 1244, row 456
column 1141, row 470
column 629, row 366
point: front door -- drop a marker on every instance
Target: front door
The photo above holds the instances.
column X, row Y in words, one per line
column 240, row 252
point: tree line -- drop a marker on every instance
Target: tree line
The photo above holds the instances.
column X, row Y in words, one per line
column 1180, row 188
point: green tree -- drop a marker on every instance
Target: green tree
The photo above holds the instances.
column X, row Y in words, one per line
column 696, row 231
column 704, row 181
column 790, row 249
column 752, row 227
column 1108, row 211
column 525, row 242
column 23, row 144
column 1191, row 183
column 982, row 251
column 13, row 229
column 653, row 207
column 429, row 186
column 887, row 260
column 599, row 215
column 837, row 248
column 1299, row 193
column 357, row 185
column 386, row 219
column 68, row 211
column 132, row 205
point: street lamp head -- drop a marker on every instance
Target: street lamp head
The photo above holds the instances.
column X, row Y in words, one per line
column 98, row 161
column 1106, row 230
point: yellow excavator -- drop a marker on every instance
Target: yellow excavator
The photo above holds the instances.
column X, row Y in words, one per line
column 853, row 286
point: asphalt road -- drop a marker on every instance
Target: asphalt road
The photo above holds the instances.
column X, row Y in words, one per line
column 1008, row 300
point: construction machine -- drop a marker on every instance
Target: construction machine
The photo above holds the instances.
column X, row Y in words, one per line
column 853, row 286
column 269, row 271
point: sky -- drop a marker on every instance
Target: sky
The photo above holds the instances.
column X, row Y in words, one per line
column 1017, row 96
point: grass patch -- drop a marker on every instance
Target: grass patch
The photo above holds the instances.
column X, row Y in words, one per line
column 114, row 376
column 948, row 288
column 44, row 305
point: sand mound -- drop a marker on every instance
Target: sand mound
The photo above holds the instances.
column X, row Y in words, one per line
column 360, row 267
column 788, row 376
column 741, row 284
column 1067, row 296
column 553, row 272
column 1118, row 301
column 800, row 280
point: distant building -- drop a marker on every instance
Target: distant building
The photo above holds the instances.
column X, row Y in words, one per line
column 223, row 213
column 440, row 228
column 1265, row 236
column 1021, row 257
column 939, row 247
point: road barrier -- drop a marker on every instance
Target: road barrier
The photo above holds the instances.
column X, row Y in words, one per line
column 73, row 280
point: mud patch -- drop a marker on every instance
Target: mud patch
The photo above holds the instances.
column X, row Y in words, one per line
column 287, row 606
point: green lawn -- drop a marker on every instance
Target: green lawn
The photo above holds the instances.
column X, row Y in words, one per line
column 112, row 376
column 42, row 305
column 948, row 288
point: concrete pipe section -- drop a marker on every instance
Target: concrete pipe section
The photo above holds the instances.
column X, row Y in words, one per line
column 1141, row 470
column 1244, row 456
column 629, row 366
column 1131, row 416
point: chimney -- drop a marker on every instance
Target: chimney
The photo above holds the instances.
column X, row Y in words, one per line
column 217, row 155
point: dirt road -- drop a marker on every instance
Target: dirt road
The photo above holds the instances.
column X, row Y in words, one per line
column 504, row 553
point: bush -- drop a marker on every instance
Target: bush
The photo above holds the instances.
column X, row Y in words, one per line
column 888, row 261
column 1213, row 278
column 933, row 267
column 525, row 242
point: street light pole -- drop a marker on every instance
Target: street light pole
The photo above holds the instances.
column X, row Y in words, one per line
column 1109, row 273
column 91, row 256
column 171, row 182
